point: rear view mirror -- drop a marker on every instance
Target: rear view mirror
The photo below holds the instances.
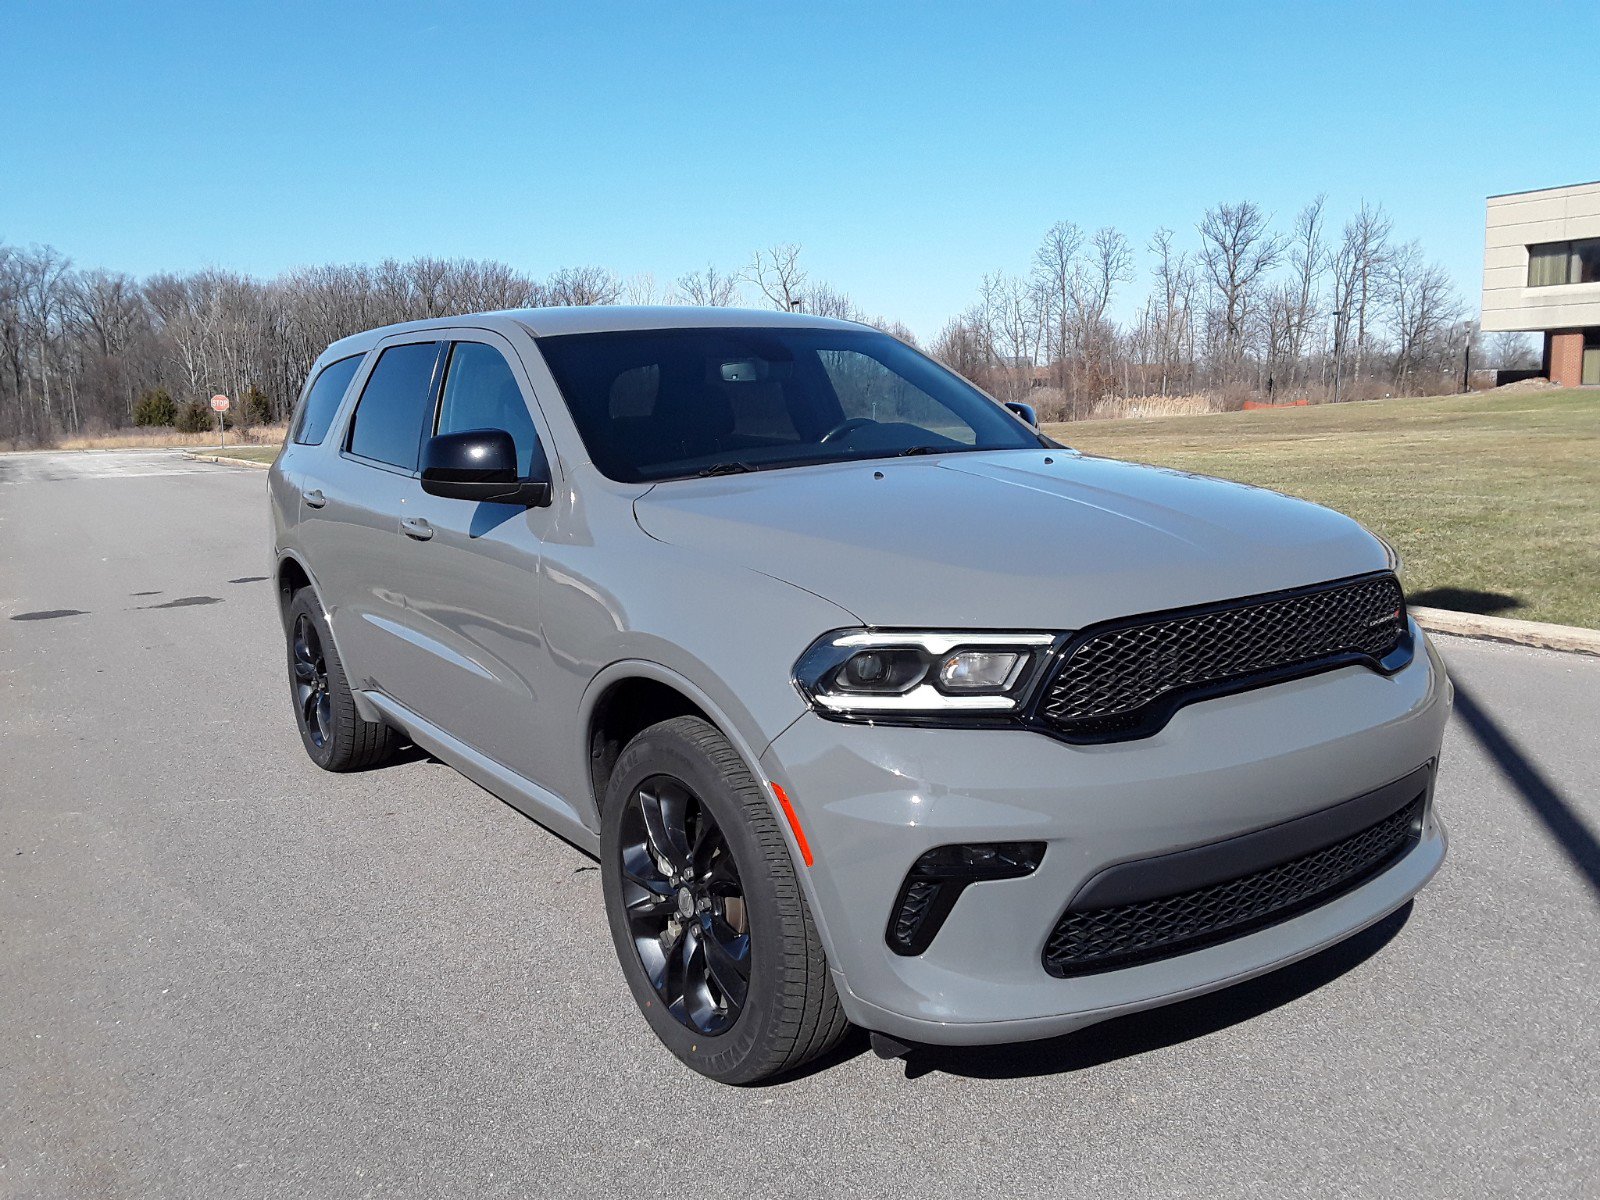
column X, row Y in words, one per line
column 481, row 465
column 1025, row 411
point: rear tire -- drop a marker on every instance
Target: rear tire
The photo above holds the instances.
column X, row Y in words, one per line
column 736, row 983
column 332, row 731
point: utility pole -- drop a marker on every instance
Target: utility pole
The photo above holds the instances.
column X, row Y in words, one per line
column 1466, row 366
column 1338, row 349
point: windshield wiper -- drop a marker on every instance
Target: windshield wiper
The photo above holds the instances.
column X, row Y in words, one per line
column 724, row 468
column 913, row 450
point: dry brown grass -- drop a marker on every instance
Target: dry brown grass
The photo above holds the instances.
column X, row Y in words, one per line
column 161, row 438
column 1156, row 406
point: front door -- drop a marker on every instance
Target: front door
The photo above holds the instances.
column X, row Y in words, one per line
column 470, row 578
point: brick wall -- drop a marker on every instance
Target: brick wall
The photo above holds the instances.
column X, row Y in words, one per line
column 1563, row 356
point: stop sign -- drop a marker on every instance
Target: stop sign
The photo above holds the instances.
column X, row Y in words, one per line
column 220, row 403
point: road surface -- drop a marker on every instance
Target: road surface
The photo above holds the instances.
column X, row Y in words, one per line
column 228, row 974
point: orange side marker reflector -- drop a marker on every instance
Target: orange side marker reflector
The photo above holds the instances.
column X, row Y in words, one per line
column 794, row 822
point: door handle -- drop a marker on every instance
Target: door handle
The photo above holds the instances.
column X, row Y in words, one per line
column 416, row 527
column 314, row 498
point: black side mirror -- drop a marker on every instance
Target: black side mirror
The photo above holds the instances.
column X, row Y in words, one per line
column 481, row 464
column 1025, row 411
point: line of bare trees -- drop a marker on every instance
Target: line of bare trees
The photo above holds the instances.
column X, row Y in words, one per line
column 1238, row 306
column 1238, row 309
column 81, row 349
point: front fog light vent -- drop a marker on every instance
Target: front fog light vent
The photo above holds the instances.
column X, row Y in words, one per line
column 937, row 879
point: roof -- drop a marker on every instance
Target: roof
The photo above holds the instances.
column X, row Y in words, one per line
column 1561, row 187
column 598, row 318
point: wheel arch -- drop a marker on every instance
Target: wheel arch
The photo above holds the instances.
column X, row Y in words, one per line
column 630, row 695
column 290, row 577
column 293, row 575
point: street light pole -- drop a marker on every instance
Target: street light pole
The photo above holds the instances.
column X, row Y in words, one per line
column 1338, row 349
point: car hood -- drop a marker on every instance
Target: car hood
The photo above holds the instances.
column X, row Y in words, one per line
column 1008, row 539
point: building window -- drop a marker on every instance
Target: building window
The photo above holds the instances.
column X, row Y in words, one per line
column 1564, row 262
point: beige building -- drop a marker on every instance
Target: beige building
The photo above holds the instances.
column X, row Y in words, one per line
column 1541, row 273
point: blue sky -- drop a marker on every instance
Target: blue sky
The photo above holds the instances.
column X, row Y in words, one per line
column 908, row 148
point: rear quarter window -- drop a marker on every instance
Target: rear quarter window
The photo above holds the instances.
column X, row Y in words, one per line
column 322, row 401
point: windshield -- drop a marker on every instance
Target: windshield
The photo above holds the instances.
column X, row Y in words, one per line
column 675, row 403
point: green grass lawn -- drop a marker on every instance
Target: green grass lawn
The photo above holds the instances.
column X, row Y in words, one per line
column 250, row 453
column 1492, row 499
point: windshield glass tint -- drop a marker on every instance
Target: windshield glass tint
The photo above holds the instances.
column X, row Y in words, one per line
column 669, row 403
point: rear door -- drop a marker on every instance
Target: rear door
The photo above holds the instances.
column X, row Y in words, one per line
column 358, row 499
column 314, row 415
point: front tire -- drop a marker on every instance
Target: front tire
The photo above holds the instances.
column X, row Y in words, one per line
column 710, row 925
column 331, row 729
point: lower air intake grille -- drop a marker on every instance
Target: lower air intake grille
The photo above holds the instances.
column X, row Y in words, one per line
column 1104, row 939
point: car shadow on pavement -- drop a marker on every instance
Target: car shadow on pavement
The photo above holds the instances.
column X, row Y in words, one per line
column 1158, row 1028
column 1470, row 600
column 1554, row 811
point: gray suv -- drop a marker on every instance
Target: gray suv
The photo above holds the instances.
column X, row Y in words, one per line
column 877, row 706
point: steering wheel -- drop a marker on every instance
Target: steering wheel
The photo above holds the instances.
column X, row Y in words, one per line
column 844, row 427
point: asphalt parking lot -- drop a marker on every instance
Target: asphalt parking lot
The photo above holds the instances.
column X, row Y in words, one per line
column 228, row 974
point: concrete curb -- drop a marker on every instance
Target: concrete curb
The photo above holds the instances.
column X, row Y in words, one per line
column 223, row 458
column 1503, row 629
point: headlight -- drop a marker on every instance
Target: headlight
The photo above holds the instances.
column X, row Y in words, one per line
column 893, row 673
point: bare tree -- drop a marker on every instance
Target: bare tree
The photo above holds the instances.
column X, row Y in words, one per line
column 1422, row 310
column 709, row 287
column 1011, row 310
column 963, row 346
column 1513, row 352
column 1172, row 306
column 1359, row 271
column 1108, row 263
column 777, row 272
column 1308, row 259
column 641, row 288
column 824, row 300
column 1056, row 266
column 1238, row 250
column 582, row 286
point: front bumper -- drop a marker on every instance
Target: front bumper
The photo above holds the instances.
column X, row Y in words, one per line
column 872, row 799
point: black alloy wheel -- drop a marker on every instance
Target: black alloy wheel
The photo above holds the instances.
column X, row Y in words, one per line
column 685, row 905
column 311, row 681
column 708, row 916
column 332, row 729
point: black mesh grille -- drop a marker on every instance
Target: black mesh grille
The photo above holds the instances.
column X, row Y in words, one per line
column 1118, row 679
column 1102, row 939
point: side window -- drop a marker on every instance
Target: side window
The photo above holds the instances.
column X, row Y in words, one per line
column 322, row 401
column 867, row 388
column 395, row 405
column 480, row 392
